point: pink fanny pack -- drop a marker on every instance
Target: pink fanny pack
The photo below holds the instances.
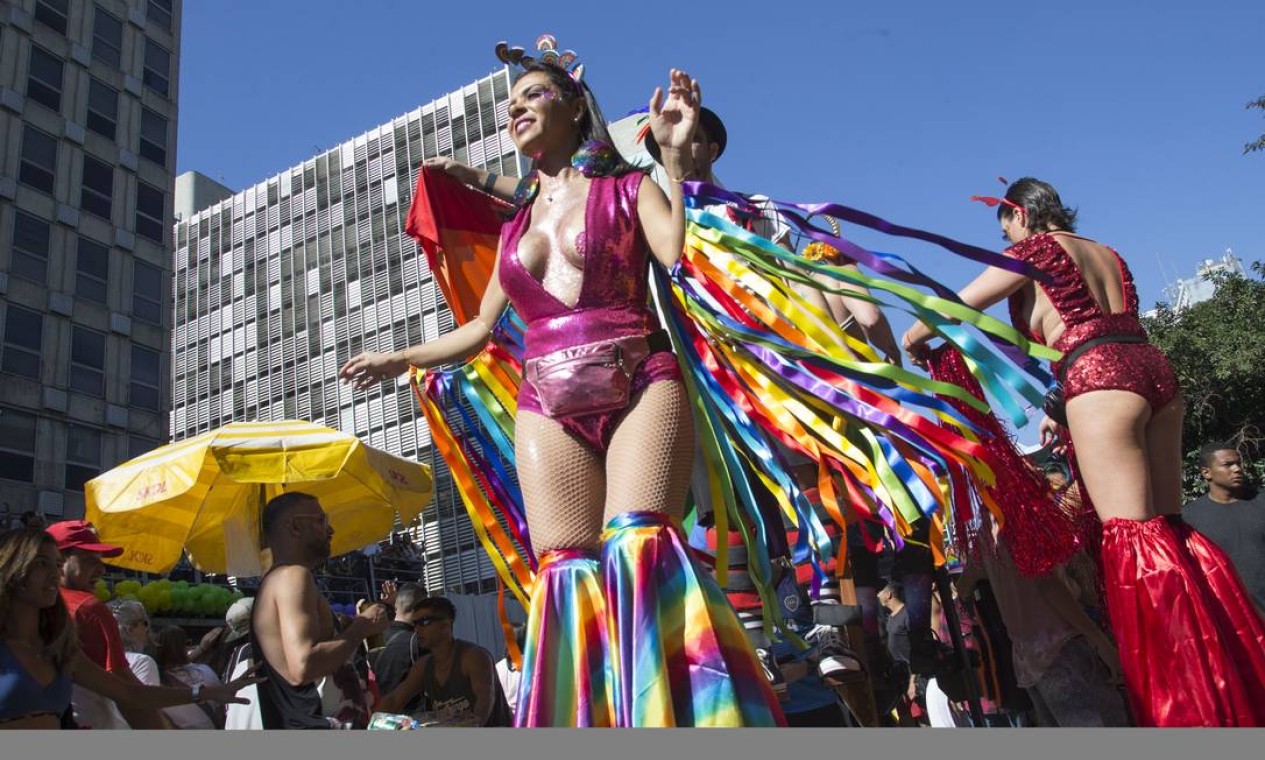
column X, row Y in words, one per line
column 592, row 378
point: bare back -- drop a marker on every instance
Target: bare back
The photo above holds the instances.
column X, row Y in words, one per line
column 1101, row 272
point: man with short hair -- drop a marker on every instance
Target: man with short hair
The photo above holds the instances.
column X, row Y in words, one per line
column 457, row 678
column 32, row 519
column 1231, row 515
column 82, row 553
column 292, row 630
column 402, row 648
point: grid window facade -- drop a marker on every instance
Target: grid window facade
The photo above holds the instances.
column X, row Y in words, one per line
column 44, row 78
column 97, row 188
column 147, row 293
column 157, row 73
column 83, row 456
column 84, row 122
column 87, row 361
column 53, row 14
column 158, row 13
column 153, row 144
column 17, row 445
column 29, row 254
column 278, row 286
column 151, row 205
column 103, row 109
column 39, row 159
column 92, row 270
column 23, row 342
column 146, row 384
column 107, row 37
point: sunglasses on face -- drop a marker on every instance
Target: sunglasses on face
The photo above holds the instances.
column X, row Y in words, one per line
column 425, row 621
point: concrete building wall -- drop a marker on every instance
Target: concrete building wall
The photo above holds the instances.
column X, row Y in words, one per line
column 88, row 122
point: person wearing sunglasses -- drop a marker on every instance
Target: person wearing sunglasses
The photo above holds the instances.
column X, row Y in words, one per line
column 457, row 679
column 292, row 630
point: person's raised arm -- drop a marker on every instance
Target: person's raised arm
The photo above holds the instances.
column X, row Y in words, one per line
column 992, row 286
column 370, row 367
column 298, row 616
column 489, row 182
column 672, row 123
column 873, row 324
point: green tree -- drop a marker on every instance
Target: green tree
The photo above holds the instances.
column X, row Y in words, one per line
column 1218, row 351
column 1258, row 143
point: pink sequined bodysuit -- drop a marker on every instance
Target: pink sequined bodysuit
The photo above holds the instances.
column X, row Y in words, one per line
column 1135, row 367
column 613, row 300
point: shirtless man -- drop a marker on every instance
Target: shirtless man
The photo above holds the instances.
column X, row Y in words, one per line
column 292, row 627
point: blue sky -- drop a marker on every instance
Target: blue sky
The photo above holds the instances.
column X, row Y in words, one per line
column 1134, row 111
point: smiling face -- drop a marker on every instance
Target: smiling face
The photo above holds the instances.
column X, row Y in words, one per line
column 39, row 587
column 543, row 116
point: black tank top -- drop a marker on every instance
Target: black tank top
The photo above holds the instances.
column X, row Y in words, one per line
column 282, row 706
column 457, row 694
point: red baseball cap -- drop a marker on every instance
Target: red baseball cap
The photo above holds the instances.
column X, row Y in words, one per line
column 78, row 534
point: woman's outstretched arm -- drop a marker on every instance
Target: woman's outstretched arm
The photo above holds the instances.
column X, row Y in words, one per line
column 370, row 367
column 496, row 185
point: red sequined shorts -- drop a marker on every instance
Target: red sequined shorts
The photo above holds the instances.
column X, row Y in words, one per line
column 1139, row 368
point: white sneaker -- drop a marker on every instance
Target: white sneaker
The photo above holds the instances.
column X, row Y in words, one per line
column 834, row 659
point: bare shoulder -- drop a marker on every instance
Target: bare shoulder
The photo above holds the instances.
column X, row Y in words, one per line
column 648, row 188
column 1073, row 242
column 287, row 580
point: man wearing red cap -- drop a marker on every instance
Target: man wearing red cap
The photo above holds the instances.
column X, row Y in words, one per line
column 82, row 552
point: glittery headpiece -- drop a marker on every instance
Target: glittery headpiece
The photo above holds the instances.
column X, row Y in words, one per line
column 547, row 44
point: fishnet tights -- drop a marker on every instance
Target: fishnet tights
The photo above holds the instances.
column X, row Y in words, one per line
column 571, row 491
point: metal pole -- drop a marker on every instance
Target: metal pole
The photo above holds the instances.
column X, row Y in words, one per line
column 959, row 645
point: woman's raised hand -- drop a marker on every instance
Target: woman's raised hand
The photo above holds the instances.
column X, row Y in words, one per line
column 673, row 121
column 370, row 368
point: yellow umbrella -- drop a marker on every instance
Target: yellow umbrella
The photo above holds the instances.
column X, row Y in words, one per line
column 205, row 494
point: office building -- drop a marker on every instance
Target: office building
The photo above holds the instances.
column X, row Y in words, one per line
column 280, row 284
column 88, row 114
column 1187, row 292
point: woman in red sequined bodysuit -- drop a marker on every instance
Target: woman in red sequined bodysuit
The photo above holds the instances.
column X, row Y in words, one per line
column 1192, row 646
